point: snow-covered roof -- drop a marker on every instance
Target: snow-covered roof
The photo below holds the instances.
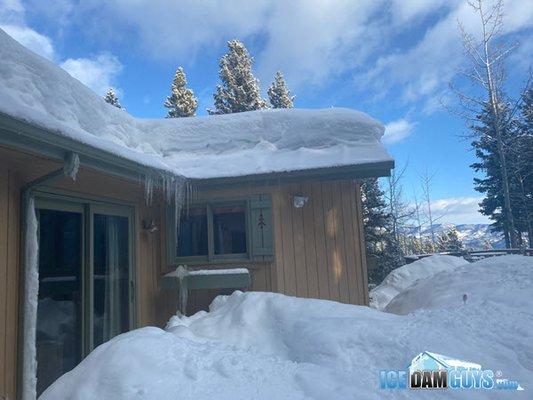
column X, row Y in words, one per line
column 37, row 91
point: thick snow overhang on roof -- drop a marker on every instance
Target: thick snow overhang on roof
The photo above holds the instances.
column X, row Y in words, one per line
column 246, row 145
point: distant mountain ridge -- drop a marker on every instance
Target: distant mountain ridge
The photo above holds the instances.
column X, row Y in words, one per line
column 474, row 236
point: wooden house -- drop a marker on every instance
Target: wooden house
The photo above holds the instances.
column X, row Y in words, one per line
column 88, row 203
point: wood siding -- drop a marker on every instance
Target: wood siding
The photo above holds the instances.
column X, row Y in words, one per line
column 18, row 168
column 319, row 247
column 319, row 250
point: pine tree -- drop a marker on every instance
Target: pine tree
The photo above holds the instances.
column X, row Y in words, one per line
column 375, row 216
column 487, row 151
column 278, row 93
column 487, row 53
column 380, row 242
column 239, row 90
column 181, row 102
column 111, row 98
column 450, row 241
column 522, row 166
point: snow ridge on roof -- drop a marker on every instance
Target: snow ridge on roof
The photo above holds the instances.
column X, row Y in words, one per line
column 257, row 142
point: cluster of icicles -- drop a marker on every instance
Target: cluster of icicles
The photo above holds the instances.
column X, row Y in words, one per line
column 177, row 191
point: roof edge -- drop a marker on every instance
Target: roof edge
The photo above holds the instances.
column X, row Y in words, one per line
column 17, row 133
column 21, row 134
column 355, row 171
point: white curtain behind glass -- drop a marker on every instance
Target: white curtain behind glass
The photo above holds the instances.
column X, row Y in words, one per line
column 112, row 282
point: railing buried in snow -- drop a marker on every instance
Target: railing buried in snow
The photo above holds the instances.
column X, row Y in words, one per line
column 472, row 255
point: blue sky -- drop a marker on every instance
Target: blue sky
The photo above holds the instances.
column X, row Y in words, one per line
column 392, row 59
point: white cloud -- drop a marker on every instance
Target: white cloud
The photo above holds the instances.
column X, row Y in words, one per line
column 312, row 41
column 31, row 39
column 459, row 210
column 397, row 130
column 12, row 22
column 405, row 11
column 423, row 70
column 374, row 42
column 98, row 73
column 11, row 11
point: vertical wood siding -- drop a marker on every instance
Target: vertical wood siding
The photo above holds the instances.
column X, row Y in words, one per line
column 9, row 261
column 319, row 249
column 16, row 169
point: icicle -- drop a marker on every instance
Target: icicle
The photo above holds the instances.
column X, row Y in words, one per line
column 177, row 191
column 31, row 293
column 148, row 188
column 72, row 166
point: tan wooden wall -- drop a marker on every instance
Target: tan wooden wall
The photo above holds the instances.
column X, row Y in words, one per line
column 17, row 168
column 9, row 256
column 319, row 248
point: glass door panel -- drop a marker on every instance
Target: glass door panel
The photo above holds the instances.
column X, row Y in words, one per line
column 111, row 276
column 85, row 281
column 59, row 309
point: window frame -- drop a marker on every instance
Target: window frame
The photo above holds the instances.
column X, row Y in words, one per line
column 211, row 257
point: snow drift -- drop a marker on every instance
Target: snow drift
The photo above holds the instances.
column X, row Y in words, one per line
column 403, row 277
column 492, row 283
column 271, row 346
column 37, row 91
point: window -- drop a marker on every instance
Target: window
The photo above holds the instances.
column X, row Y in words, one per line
column 193, row 233
column 222, row 231
column 213, row 230
column 229, row 229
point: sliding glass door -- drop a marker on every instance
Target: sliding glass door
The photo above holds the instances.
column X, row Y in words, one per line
column 85, row 281
column 111, row 274
column 59, row 308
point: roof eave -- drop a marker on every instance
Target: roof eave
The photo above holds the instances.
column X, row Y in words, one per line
column 20, row 134
column 356, row 171
column 24, row 135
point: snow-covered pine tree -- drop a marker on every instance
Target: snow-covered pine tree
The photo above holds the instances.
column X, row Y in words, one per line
column 450, row 241
column 181, row 102
column 111, row 98
column 278, row 93
column 239, row 90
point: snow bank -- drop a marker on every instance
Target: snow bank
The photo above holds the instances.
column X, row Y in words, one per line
column 492, row 283
column 271, row 346
column 36, row 90
column 403, row 277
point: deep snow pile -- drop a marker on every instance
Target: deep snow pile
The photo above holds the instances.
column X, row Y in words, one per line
column 36, row 90
column 270, row 346
column 492, row 283
column 403, row 277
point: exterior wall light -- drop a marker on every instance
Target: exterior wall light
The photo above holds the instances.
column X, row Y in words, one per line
column 299, row 201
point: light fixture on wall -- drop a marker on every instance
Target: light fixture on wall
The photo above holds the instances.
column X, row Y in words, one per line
column 149, row 226
column 299, row 201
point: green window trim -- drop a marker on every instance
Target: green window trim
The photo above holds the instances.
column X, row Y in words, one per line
column 259, row 241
